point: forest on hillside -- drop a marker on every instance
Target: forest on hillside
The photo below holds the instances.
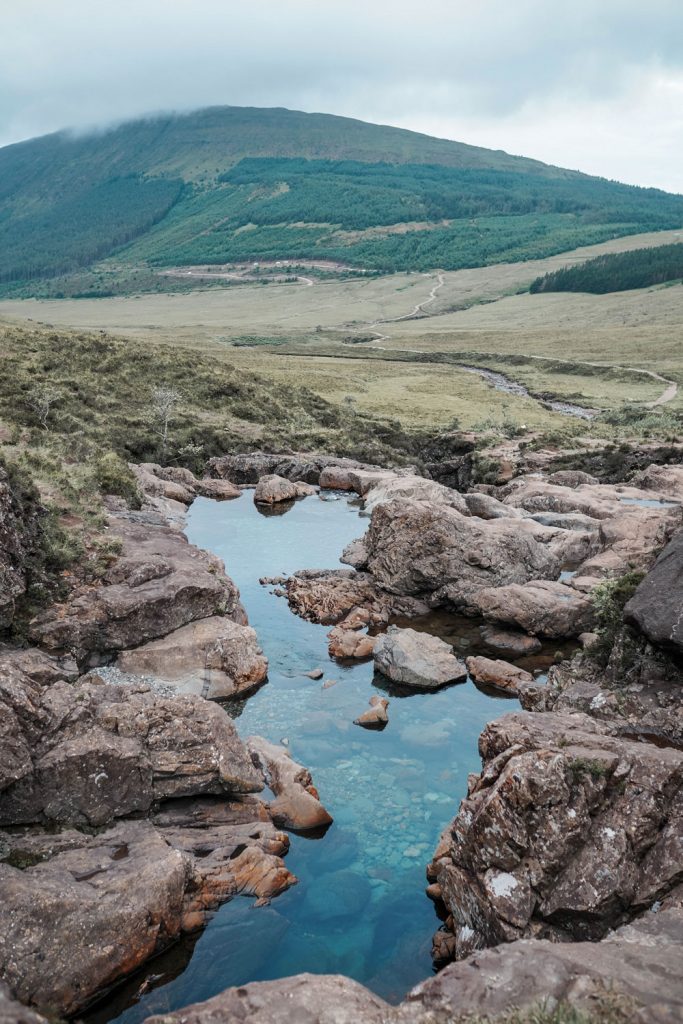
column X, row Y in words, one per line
column 617, row 272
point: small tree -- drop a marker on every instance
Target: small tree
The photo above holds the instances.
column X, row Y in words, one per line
column 164, row 401
column 40, row 401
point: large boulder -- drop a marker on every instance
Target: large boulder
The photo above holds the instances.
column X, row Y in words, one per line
column 411, row 487
column 296, row 804
column 417, row 660
column 158, row 583
column 272, row 489
column 89, row 752
column 540, row 607
column 567, row 833
column 499, row 674
column 656, row 608
column 419, row 548
column 214, row 657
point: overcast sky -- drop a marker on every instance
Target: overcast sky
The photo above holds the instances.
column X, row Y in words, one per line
column 591, row 84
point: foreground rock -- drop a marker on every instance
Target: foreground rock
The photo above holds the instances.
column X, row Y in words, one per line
column 296, row 803
column 214, row 658
column 96, row 907
column 89, row 752
column 417, row 660
column 499, row 674
column 656, row 608
column 540, row 607
column 567, row 833
column 272, row 489
column 159, row 583
column 633, row 975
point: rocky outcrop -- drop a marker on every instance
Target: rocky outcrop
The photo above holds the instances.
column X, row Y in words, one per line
column 329, row 595
column 632, row 975
column 306, row 467
column 272, row 489
column 86, row 910
column 568, row 832
column 656, row 608
column 499, row 674
column 540, row 607
column 296, row 804
column 174, row 483
column 417, row 660
column 416, row 548
column 90, row 752
column 214, row 658
column 667, row 480
column 159, row 583
column 19, row 532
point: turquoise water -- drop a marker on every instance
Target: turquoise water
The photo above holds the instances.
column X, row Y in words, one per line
column 359, row 908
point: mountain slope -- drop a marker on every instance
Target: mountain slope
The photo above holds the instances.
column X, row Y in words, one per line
column 231, row 183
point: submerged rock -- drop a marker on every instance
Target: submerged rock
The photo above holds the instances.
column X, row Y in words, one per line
column 376, row 716
column 417, row 660
column 296, row 804
column 273, row 489
column 509, row 641
column 213, row 657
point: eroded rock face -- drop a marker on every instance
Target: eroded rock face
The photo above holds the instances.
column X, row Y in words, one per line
column 18, row 534
column 656, row 608
column 296, row 804
column 214, row 658
column 272, row 489
column 416, row 548
column 159, row 583
column 417, row 660
column 567, row 833
column 89, row 752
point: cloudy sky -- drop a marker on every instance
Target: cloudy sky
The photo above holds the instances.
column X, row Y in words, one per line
column 591, row 84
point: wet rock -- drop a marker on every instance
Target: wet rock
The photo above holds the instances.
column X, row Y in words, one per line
column 416, row 548
column 315, row 673
column 539, row 607
column 88, row 752
column 349, row 643
column 339, row 894
column 417, row 660
column 500, row 674
column 315, row 999
column 213, row 657
column 510, row 642
column 376, row 717
column 307, row 467
column 219, row 490
column 159, row 583
column 656, row 608
column 568, row 831
column 296, row 803
column 272, row 489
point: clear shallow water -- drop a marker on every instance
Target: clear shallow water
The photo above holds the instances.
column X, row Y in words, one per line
column 359, row 908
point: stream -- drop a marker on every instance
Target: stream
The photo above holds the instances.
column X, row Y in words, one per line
column 359, row 908
column 502, row 383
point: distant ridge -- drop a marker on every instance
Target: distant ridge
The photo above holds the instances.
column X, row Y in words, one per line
column 244, row 183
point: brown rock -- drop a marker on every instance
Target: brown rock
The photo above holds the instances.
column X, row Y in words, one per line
column 273, row 489
column 212, row 657
column 376, row 716
column 348, row 643
column 509, row 641
column 315, row 673
column 538, row 607
column 89, row 752
column 159, row 583
column 417, row 660
column 219, row 490
column 296, row 803
column 500, row 674
column 248, row 468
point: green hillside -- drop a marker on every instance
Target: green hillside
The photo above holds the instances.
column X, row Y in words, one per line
column 229, row 183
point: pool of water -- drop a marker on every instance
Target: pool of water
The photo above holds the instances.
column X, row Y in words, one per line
column 359, row 908
column 649, row 502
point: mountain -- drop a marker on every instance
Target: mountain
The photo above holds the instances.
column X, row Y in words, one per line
column 242, row 183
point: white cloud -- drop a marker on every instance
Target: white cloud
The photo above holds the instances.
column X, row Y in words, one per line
column 593, row 85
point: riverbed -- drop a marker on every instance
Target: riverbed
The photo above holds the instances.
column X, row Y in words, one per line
column 359, row 908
